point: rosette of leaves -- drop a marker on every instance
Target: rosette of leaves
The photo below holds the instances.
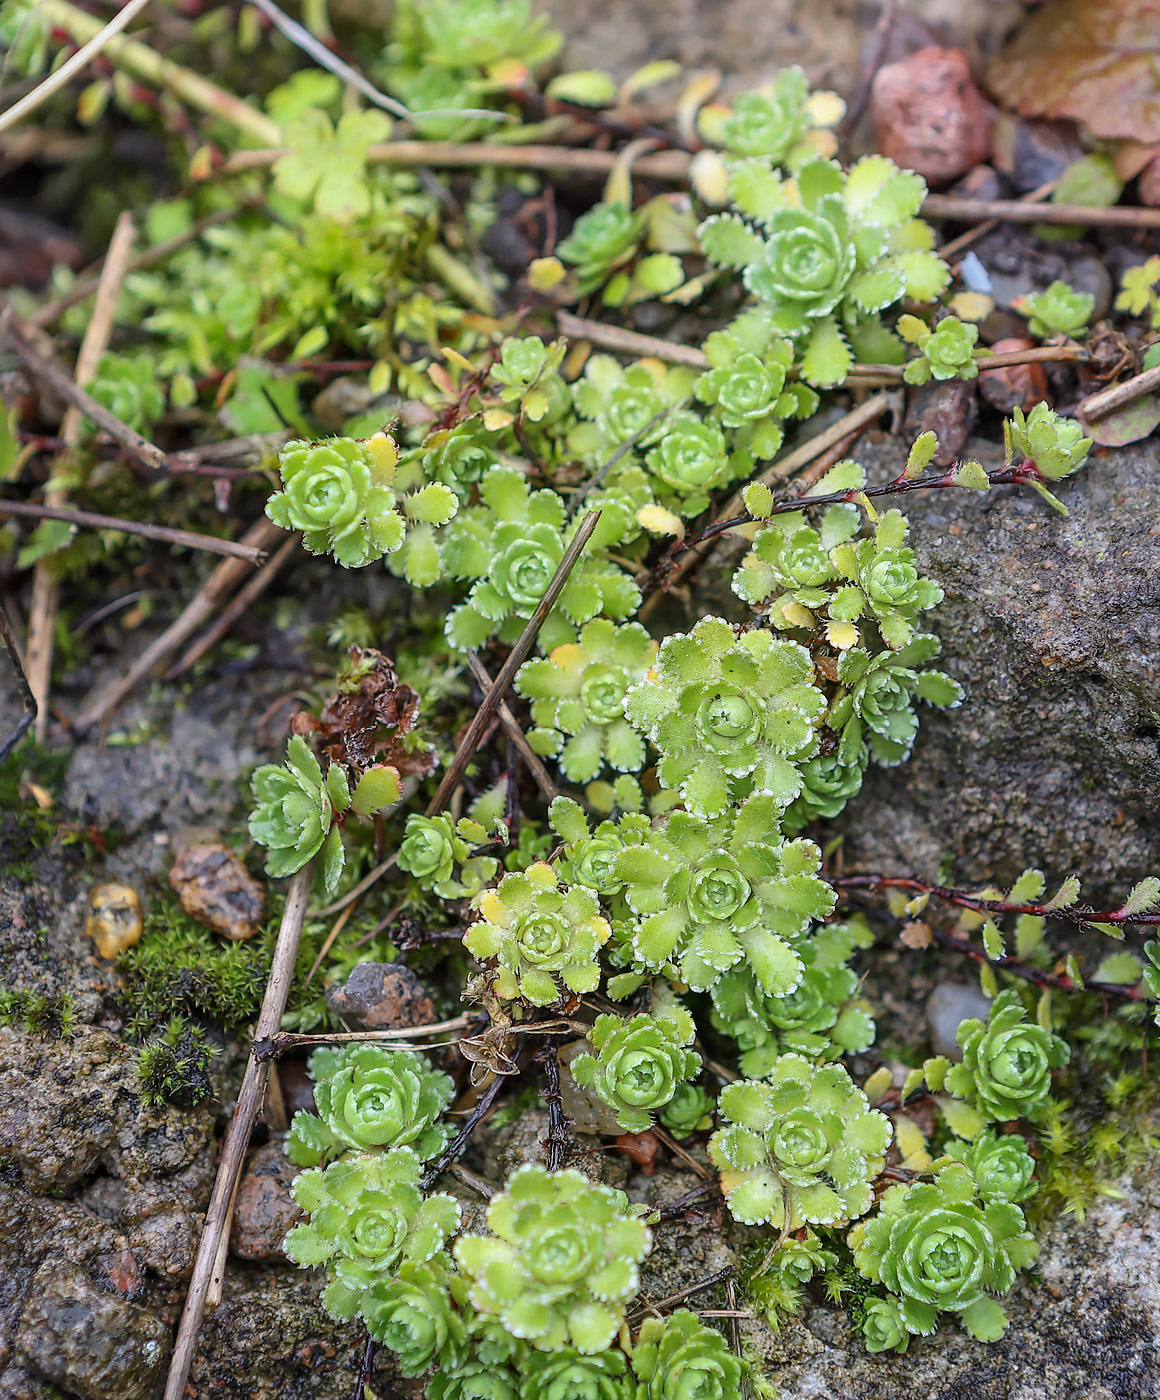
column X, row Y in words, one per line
column 639, row 1063
column 369, row 1097
column 1007, row 1063
column 770, row 122
column 589, row 856
column 819, row 1019
column 936, row 1249
column 367, row 1215
column 607, row 237
column 432, row 848
column 622, row 404
column 344, row 495
column 802, row 1147
column 876, row 699
column 527, row 374
column 827, row 252
column 297, row 810
column 946, row 352
column 710, row 895
column 881, row 581
column 1000, row 1163
column 689, row 462
column 690, row 1110
column 561, row 1261
column 475, row 1380
column 680, row 1358
column 541, row 938
column 511, row 546
column 883, row 1325
column 1051, row 446
column 577, row 695
column 746, row 389
column 829, row 781
column 569, row 1374
column 1058, row 310
column 413, row 1315
column 127, row 385
column 789, row 567
column 721, row 707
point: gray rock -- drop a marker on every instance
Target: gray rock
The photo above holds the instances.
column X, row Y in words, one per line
column 91, row 1343
column 946, row 1008
column 378, row 996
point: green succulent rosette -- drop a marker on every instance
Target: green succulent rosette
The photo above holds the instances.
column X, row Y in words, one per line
column 829, row 781
column 295, row 811
column 690, row 1110
column 540, row 938
column 369, row 1097
column 1007, row 1063
column 713, row 895
column 722, row 706
column 625, row 404
column 1057, row 310
column 568, row 1374
column 1054, row 446
column 680, row 1358
column 1000, row 1163
column 367, row 1215
column 689, row 462
column 413, row 1315
column 602, row 240
column 803, row 1146
column 510, row 546
column 475, row 1380
column 826, row 252
column 883, row 1326
column 770, row 122
column 431, row 850
column 589, row 857
column 345, row 496
column 577, row 699
column 946, row 352
column 821, row 1018
column 561, row 1261
column 937, row 1250
column 638, row 1064
column 875, row 702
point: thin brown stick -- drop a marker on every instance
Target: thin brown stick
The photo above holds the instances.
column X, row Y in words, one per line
column 281, row 1042
column 515, row 660
column 1099, row 405
column 42, row 368
column 672, row 165
column 371, row 878
column 241, row 604
column 220, row 584
column 964, row 240
column 711, row 1282
column 611, row 337
column 209, row 1264
column 86, row 286
column 91, row 520
column 857, row 420
column 1016, row 211
column 45, row 588
column 8, row 637
column 518, row 737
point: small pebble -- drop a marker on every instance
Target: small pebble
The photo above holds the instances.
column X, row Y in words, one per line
column 928, row 114
column 641, row 1148
column 1013, row 386
column 114, row 921
column 265, row 1209
column 947, row 1007
column 1148, row 184
column 379, row 996
column 217, row 889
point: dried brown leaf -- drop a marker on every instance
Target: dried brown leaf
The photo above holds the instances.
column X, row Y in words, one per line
column 915, row 934
column 1094, row 61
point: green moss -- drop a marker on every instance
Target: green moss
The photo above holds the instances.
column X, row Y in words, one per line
column 173, row 1068
column 51, row 1015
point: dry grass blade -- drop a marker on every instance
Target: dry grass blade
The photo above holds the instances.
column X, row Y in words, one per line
column 1017, row 211
column 91, row 520
column 210, row 1261
column 220, row 584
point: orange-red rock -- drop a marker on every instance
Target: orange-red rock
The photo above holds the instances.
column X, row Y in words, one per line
column 928, row 114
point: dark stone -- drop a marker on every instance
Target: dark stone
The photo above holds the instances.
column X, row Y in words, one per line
column 90, row 1342
column 378, row 996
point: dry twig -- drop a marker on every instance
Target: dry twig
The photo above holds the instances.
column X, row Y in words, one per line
column 210, row 1263
column 535, row 767
column 91, row 520
column 1097, row 406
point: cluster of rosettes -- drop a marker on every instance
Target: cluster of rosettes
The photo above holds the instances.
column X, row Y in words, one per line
column 936, row 1247
column 825, row 252
column 368, row 1098
column 821, row 1018
column 730, row 712
column 297, row 810
column 350, row 499
column 540, row 939
column 803, row 1147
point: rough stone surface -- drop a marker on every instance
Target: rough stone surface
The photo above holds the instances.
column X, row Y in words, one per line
column 91, row 1343
column 265, row 1209
column 378, row 996
column 928, row 114
column 1052, row 625
column 215, row 887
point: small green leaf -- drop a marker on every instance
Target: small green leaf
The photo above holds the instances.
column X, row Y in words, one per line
column 587, row 87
